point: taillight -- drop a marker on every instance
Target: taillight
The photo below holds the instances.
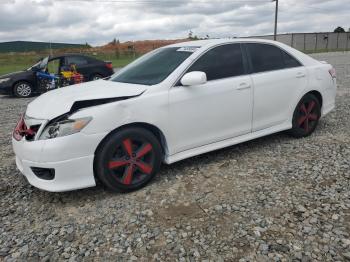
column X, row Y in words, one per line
column 109, row 65
column 332, row 73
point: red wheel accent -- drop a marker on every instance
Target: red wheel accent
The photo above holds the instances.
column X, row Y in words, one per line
column 313, row 117
column 302, row 120
column 144, row 150
column 311, row 106
column 144, row 167
column 118, row 163
column 307, row 115
column 128, row 174
column 128, row 146
column 133, row 161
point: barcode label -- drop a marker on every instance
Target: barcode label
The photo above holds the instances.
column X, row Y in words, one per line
column 190, row 49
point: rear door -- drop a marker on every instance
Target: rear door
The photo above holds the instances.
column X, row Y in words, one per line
column 278, row 78
column 81, row 63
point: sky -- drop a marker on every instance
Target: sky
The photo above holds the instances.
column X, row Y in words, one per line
column 98, row 22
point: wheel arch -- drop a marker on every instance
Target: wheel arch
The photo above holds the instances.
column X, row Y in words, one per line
column 91, row 76
column 294, row 119
column 318, row 96
column 152, row 128
column 293, row 105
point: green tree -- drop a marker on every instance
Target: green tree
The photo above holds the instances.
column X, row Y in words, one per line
column 339, row 29
column 190, row 34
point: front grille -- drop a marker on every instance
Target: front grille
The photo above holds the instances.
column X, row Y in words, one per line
column 44, row 173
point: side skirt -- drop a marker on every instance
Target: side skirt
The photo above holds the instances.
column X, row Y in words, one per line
column 225, row 143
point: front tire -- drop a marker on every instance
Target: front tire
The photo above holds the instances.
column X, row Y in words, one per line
column 22, row 89
column 306, row 116
column 128, row 159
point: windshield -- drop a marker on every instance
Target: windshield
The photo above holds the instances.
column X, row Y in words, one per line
column 154, row 67
column 40, row 64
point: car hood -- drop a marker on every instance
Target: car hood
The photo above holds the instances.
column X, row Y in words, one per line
column 12, row 74
column 60, row 101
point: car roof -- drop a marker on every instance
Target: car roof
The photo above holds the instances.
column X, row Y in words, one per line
column 69, row 54
column 305, row 59
column 211, row 42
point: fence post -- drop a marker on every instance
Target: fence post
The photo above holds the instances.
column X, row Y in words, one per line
column 304, row 42
column 347, row 41
column 338, row 41
column 316, row 43
column 292, row 42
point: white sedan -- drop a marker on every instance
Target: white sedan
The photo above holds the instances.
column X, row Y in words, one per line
column 173, row 103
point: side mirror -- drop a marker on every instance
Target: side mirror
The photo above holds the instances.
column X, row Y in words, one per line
column 194, row 78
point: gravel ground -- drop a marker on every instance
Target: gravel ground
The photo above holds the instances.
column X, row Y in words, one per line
column 271, row 199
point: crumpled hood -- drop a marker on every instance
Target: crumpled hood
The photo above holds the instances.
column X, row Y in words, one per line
column 60, row 101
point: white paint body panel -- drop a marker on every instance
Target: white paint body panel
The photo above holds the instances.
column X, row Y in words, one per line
column 204, row 114
column 192, row 119
column 273, row 92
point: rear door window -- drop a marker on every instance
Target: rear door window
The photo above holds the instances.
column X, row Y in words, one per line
column 77, row 60
column 265, row 57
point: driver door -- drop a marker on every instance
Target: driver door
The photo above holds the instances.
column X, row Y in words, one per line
column 54, row 66
column 217, row 110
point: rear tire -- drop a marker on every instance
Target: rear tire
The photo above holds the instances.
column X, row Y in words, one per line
column 128, row 159
column 96, row 77
column 306, row 116
column 22, row 89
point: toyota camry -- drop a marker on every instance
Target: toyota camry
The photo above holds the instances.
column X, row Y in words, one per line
column 173, row 103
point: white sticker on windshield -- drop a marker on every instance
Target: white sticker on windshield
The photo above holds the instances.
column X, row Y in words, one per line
column 190, row 49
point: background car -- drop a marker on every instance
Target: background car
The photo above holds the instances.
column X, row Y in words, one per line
column 25, row 83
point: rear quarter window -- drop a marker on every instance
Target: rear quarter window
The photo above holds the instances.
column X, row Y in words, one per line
column 290, row 61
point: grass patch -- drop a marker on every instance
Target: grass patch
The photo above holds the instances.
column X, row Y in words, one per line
column 16, row 62
column 119, row 62
column 11, row 63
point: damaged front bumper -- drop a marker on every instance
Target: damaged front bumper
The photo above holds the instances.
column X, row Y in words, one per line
column 70, row 158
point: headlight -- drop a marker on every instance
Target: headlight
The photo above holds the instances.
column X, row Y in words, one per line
column 3, row 80
column 64, row 128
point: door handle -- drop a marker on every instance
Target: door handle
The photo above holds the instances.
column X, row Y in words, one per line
column 301, row 75
column 243, row 86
